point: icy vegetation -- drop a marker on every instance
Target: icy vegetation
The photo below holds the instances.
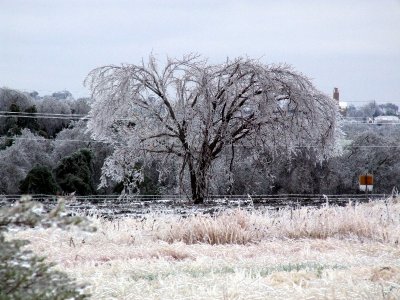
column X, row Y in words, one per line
column 24, row 274
column 43, row 150
column 194, row 118
column 308, row 253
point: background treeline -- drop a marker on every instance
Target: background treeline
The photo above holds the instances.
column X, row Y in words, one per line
column 44, row 148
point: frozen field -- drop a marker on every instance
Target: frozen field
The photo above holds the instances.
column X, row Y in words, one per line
column 331, row 252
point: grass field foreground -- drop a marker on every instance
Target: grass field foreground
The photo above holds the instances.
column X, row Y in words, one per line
column 332, row 252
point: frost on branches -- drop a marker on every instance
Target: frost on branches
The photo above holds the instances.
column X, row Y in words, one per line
column 196, row 116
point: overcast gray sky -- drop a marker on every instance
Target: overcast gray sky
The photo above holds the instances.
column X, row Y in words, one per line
column 51, row 45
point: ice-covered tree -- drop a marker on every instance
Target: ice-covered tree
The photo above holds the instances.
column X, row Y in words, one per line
column 80, row 106
column 70, row 140
column 53, row 124
column 20, row 157
column 191, row 113
column 10, row 97
column 373, row 150
column 13, row 102
column 75, row 138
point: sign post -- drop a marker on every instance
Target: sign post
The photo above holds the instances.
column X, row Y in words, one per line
column 366, row 182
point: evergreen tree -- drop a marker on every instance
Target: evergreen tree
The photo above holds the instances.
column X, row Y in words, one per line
column 39, row 180
column 74, row 173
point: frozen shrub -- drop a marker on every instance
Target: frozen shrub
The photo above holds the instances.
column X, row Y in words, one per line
column 23, row 275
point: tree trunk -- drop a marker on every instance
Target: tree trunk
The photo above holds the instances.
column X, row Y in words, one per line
column 197, row 198
column 198, row 184
column 200, row 191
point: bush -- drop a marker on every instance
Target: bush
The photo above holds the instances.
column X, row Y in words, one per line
column 39, row 180
column 74, row 173
column 23, row 275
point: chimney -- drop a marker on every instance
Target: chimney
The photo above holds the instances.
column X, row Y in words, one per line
column 336, row 94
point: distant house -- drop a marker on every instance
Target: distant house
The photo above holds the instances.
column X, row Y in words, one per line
column 386, row 120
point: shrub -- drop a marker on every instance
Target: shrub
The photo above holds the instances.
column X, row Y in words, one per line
column 39, row 180
column 23, row 275
column 74, row 173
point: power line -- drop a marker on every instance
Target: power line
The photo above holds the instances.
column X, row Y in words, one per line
column 373, row 124
column 4, row 114
column 53, row 140
column 372, row 101
column 46, row 117
column 87, row 117
column 39, row 113
column 104, row 142
column 355, row 146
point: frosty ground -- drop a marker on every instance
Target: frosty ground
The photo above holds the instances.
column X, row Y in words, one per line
column 331, row 252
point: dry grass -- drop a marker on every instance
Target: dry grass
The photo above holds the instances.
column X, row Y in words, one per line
column 372, row 221
column 329, row 253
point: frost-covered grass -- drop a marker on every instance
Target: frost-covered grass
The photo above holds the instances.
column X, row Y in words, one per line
column 328, row 253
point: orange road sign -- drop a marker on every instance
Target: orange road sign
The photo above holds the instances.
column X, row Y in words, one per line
column 366, row 179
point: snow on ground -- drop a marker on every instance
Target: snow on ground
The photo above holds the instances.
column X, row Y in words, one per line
column 328, row 253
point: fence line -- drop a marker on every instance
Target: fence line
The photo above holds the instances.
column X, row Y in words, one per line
column 113, row 206
column 256, row 199
column 172, row 196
